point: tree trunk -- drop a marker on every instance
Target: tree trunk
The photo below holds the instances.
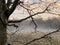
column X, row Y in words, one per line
column 4, row 15
column 3, row 34
column 3, row 20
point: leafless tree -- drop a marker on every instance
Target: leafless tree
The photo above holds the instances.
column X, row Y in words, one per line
column 7, row 7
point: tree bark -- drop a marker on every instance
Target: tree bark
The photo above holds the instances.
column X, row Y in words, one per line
column 3, row 34
column 3, row 22
column 4, row 15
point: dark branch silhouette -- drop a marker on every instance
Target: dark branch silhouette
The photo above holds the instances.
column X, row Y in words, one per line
column 32, row 20
column 9, row 11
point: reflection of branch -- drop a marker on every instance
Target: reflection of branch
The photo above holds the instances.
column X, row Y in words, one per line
column 42, row 36
column 12, row 25
column 32, row 19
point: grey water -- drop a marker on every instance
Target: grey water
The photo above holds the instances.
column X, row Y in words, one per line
column 28, row 26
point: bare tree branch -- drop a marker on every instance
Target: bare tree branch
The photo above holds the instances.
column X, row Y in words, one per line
column 9, row 2
column 9, row 11
column 32, row 19
column 13, row 25
column 16, row 21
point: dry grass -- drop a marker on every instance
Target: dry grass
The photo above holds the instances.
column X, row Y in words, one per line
column 22, row 38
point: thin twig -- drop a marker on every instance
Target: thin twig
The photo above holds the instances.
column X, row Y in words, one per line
column 32, row 20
